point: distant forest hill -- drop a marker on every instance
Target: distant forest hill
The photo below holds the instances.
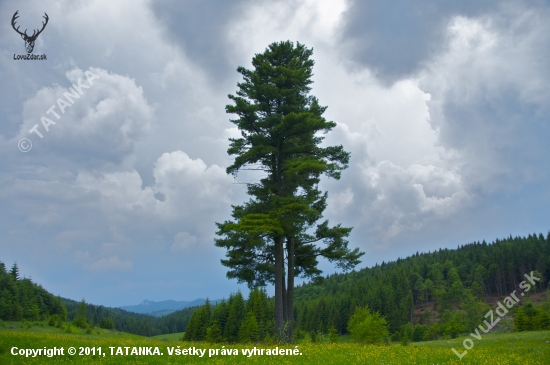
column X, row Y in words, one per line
column 136, row 323
column 165, row 307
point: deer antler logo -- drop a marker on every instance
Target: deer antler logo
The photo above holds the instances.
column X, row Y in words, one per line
column 29, row 40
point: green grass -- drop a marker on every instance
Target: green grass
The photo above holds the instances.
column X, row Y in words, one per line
column 170, row 337
column 44, row 328
column 509, row 348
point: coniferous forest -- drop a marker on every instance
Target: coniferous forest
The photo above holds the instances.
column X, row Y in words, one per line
column 445, row 293
column 20, row 298
column 423, row 297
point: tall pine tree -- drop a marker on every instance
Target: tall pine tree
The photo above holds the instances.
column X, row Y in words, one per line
column 280, row 124
column 15, row 271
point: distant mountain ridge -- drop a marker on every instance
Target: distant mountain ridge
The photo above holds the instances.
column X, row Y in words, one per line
column 164, row 307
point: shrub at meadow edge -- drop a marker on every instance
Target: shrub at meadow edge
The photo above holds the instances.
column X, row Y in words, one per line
column 367, row 327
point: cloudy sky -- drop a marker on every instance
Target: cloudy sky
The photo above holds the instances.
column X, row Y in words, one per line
column 445, row 110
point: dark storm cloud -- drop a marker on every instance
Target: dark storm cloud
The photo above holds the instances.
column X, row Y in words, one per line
column 491, row 102
column 199, row 27
column 395, row 38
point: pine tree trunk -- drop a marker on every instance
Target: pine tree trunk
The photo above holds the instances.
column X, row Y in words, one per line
column 290, row 288
column 279, row 254
column 285, row 308
column 279, row 262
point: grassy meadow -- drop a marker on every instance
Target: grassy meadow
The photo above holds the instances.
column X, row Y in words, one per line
column 506, row 348
column 170, row 337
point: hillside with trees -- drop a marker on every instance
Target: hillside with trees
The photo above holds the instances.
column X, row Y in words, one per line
column 447, row 292
column 423, row 297
column 21, row 299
